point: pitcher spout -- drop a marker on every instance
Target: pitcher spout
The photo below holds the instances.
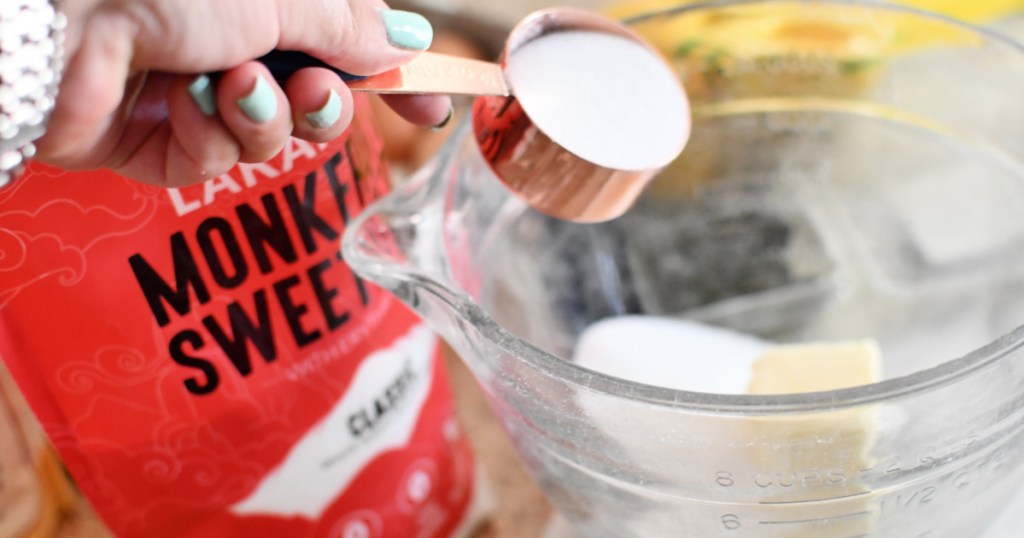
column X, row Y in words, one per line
column 418, row 242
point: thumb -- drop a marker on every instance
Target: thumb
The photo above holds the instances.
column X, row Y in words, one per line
column 367, row 38
column 362, row 37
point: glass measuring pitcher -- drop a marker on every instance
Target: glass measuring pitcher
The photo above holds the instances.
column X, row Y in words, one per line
column 855, row 171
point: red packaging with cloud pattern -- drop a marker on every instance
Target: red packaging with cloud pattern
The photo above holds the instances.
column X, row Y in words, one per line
column 207, row 364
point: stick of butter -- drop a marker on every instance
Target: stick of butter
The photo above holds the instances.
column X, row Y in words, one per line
column 798, row 368
column 816, row 456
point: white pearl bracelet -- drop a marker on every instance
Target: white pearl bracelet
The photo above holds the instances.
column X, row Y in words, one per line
column 31, row 63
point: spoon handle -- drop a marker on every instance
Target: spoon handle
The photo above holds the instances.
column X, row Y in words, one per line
column 284, row 63
column 431, row 73
column 428, row 73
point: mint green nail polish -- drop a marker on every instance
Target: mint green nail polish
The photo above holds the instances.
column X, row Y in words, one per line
column 201, row 90
column 446, row 121
column 329, row 114
column 407, row 30
column 261, row 103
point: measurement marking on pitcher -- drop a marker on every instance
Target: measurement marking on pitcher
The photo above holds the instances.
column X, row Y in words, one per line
column 815, row 519
column 825, row 499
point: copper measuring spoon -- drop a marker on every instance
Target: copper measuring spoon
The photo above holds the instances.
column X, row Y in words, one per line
column 549, row 177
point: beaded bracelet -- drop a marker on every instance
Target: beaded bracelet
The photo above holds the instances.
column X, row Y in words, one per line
column 31, row 63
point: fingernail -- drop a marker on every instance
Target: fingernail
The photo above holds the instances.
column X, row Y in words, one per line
column 261, row 103
column 201, row 90
column 446, row 121
column 329, row 114
column 407, row 30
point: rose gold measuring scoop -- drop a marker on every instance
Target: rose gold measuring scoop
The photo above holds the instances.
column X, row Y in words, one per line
column 549, row 177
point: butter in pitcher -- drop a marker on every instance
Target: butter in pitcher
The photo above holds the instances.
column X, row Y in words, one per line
column 819, row 454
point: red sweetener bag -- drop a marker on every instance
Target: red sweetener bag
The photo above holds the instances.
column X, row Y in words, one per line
column 206, row 363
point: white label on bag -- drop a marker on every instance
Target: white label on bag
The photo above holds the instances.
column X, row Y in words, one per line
column 377, row 414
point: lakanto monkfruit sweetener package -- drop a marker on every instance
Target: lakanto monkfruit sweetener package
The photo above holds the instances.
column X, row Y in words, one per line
column 206, row 363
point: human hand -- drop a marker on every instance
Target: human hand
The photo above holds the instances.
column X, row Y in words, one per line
column 135, row 99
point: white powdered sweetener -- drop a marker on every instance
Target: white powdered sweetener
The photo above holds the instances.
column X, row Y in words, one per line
column 605, row 98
